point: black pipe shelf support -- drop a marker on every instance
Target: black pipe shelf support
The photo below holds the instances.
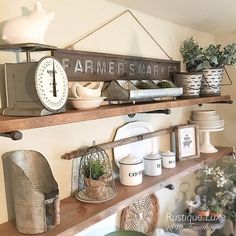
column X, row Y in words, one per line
column 221, row 102
column 225, row 102
column 14, row 135
column 170, row 186
column 161, row 111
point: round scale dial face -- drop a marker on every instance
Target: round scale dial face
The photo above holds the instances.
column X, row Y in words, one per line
column 51, row 83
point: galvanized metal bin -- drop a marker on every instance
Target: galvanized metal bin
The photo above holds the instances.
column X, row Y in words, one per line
column 124, row 90
column 35, row 192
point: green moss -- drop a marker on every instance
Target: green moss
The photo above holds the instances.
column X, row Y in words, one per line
column 93, row 169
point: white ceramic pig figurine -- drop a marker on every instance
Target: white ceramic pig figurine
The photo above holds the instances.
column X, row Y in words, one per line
column 28, row 29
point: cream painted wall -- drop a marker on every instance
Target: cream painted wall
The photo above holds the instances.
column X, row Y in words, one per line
column 74, row 19
column 228, row 112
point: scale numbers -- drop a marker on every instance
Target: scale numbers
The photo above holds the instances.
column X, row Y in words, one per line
column 51, row 83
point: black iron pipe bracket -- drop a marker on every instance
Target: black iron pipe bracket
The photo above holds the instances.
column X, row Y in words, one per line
column 161, row 111
column 170, row 186
column 221, row 102
column 225, row 102
column 14, row 135
column 132, row 115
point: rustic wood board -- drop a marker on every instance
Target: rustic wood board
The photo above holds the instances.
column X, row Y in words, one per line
column 9, row 123
column 77, row 216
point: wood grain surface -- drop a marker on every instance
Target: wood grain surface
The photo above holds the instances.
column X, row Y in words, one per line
column 9, row 123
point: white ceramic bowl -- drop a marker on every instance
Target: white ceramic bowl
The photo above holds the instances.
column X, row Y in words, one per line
column 86, row 89
column 86, row 103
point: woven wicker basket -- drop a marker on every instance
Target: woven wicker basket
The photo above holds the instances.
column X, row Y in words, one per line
column 141, row 216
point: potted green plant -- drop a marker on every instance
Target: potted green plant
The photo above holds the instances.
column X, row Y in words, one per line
column 216, row 211
column 192, row 79
column 221, row 178
column 203, row 211
column 214, row 60
column 93, row 172
column 210, row 61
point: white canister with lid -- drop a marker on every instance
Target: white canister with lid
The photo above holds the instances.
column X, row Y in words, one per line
column 152, row 164
column 168, row 159
column 131, row 169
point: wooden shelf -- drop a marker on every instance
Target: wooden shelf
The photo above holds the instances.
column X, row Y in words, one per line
column 9, row 123
column 77, row 216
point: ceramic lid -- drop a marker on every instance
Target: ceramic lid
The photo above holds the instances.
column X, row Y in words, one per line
column 130, row 160
column 153, row 156
column 168, row 154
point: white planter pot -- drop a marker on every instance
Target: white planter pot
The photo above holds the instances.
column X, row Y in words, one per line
column 191, row 83
column 131, row 169
column 212, row 81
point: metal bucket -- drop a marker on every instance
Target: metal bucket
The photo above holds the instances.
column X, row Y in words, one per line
column 35, row 192
column 212, row 82
column 191, row 83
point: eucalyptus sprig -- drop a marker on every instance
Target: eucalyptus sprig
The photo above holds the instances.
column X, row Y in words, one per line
column 198, row 58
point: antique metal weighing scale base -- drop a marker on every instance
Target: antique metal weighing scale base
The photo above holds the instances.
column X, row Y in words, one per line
column 21, row 96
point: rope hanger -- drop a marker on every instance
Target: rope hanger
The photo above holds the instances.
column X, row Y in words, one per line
column 71, row 46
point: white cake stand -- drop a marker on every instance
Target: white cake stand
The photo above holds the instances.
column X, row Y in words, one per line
column 205, row 145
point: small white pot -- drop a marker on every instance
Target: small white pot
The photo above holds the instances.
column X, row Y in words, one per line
column 168, row 159
column 131, row 169
column 152, row 165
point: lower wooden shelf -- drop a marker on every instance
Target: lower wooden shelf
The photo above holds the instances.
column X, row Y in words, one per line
column 77, row 216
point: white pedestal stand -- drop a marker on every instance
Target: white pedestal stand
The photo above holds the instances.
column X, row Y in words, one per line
column 205, row 145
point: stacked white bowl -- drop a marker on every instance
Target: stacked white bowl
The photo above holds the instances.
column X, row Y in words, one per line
column 207, row 120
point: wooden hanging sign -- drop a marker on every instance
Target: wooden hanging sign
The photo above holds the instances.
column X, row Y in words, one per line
column 93, row 66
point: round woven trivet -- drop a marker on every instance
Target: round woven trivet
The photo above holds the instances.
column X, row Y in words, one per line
column 141, row 216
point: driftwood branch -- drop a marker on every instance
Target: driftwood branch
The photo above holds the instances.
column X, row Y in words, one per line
column 109, row 145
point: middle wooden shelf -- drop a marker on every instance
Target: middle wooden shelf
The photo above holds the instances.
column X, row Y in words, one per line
column 10, row 123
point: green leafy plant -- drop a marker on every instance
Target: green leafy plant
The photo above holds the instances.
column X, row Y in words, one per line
column 164, row 84
column 215, row 206
column 143, row 85
column 204, row 207
column 93, row 169
column 228, row 56
column 221, row 178
column 216, row 209
column 198, row 59
column 192, row 54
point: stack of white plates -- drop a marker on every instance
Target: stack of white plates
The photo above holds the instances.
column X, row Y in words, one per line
column 206, row 120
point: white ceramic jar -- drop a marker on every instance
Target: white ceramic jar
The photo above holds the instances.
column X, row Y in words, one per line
column 152, row 164
column 131, row 169
column 168, row 159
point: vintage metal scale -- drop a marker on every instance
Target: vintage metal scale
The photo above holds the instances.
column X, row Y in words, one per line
column 35, row 88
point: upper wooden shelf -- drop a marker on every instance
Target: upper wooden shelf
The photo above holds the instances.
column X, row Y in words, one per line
column 9, row 123
column 77, row 216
